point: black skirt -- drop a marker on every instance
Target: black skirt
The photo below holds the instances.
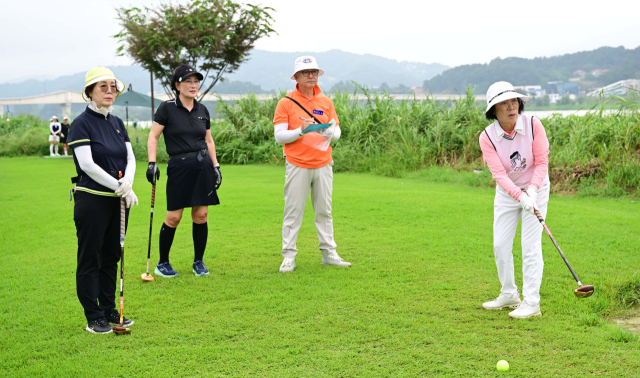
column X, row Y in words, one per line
column 191, row 183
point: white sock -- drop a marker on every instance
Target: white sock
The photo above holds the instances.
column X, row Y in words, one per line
column 56, row 149
column 65, row 152
column 51, row 149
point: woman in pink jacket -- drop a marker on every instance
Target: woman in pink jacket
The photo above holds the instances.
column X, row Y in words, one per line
column 516, row 150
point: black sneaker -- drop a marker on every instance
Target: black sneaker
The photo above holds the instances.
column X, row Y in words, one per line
column 114, row 318
column 99, row 325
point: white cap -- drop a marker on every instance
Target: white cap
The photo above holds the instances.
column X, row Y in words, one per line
column 65, row 117
column 56, row 117
column 306, row 62
column 502, row 91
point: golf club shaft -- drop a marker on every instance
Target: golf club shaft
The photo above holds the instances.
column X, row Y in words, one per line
column 122, row 227
column 153, row 201
column 537, row 213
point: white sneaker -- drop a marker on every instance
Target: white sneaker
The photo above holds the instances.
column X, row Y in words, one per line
column 525, row 310
column 503, row 301
column 288, row 265
column 332, row 258
column 57, row 154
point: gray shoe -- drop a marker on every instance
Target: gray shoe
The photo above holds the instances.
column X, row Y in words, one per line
column 332, row 258
column 503, row 301
column 288, row 265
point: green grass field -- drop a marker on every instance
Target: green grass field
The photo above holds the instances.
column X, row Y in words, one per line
column 410, row 305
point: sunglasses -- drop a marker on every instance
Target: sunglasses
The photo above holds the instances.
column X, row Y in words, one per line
column 104, row 87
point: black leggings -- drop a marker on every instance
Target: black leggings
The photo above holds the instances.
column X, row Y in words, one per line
column 97, row 220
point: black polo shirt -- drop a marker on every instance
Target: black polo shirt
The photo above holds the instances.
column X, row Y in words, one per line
column 65, row 129
column 107, row 138
column 184, row 131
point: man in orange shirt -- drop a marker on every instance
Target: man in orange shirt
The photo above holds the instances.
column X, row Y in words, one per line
column 308, row 167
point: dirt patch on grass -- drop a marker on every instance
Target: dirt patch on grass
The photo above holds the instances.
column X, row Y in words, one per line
column 631, row 322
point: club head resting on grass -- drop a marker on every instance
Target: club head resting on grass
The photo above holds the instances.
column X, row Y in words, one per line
column 146, row 277
column 120, row 330
column 584, row 291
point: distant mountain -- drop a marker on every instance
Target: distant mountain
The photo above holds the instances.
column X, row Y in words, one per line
column 621, row 64
column 264, row 72
column 272, row 70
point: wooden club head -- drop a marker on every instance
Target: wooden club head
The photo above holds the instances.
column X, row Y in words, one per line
column 146, row 277
column 120, row 330
column 584, row 291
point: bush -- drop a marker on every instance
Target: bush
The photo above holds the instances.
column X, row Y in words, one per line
column 597, row 154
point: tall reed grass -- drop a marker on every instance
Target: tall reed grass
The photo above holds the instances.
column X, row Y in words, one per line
column 596, row 154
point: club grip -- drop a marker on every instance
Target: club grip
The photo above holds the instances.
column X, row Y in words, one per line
column 122, row 221
column 537, row 213
column 153, row 195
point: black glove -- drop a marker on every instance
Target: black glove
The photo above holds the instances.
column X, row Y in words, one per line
column 153, row 171
column 219, row 178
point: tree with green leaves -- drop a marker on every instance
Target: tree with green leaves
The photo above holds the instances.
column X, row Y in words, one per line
column 215, row 36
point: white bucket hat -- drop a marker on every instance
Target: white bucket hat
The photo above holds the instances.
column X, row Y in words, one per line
column 501, row 91
column 306, row 63
column 54, row 117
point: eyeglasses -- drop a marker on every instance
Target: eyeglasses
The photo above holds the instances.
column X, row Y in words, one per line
column 307, row 73
column 104, row 87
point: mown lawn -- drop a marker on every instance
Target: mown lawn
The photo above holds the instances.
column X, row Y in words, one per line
column 410, row 305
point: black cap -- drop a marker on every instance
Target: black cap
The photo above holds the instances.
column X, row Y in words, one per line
column 182, row 73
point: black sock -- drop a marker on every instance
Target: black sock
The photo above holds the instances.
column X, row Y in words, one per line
column 166, row 239
column 200, row 234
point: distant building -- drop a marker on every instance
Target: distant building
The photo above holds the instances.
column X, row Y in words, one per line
column 579, row 73
column 619, row 88
column 561, row 88
column 554, row 97
column 598, row 72
column 531, row 90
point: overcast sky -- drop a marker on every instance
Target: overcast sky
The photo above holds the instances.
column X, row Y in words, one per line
column 44, row 38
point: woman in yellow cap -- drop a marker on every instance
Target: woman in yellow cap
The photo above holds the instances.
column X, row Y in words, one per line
column 105, row 165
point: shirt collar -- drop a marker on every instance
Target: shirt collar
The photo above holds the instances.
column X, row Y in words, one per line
column 500, row 133
column 179, row 103
column 103, row 110
column 316, row 91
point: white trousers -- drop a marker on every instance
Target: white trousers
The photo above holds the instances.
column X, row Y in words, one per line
column 298, row 182
column 506, row 214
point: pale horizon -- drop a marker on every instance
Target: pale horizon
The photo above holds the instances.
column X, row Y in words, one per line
column 79, row 37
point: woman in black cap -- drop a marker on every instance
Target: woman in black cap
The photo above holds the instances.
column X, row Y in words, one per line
column 193, row 171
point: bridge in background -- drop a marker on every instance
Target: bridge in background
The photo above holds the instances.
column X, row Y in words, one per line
column 66, row 98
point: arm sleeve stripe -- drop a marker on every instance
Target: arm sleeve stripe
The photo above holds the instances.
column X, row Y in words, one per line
column 80, row 140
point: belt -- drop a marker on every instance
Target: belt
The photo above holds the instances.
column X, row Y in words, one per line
column 115, row 174
column 199, row 154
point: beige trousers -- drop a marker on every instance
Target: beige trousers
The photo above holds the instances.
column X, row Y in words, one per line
column 298, row 182
column 507, row 212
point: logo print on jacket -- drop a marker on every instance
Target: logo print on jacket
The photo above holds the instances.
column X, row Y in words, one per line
column 518, row 164
column 318, row 112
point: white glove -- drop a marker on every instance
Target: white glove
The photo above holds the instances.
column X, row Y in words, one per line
column 130, row 199
column 527, row 203
column 532, row 192
column 125, row 187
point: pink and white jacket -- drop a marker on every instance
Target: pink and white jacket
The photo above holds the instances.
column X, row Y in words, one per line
column 517, row 160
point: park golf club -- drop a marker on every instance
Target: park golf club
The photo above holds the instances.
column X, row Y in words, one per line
column 120, row 329
column 583, row 291
column 146, row 277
